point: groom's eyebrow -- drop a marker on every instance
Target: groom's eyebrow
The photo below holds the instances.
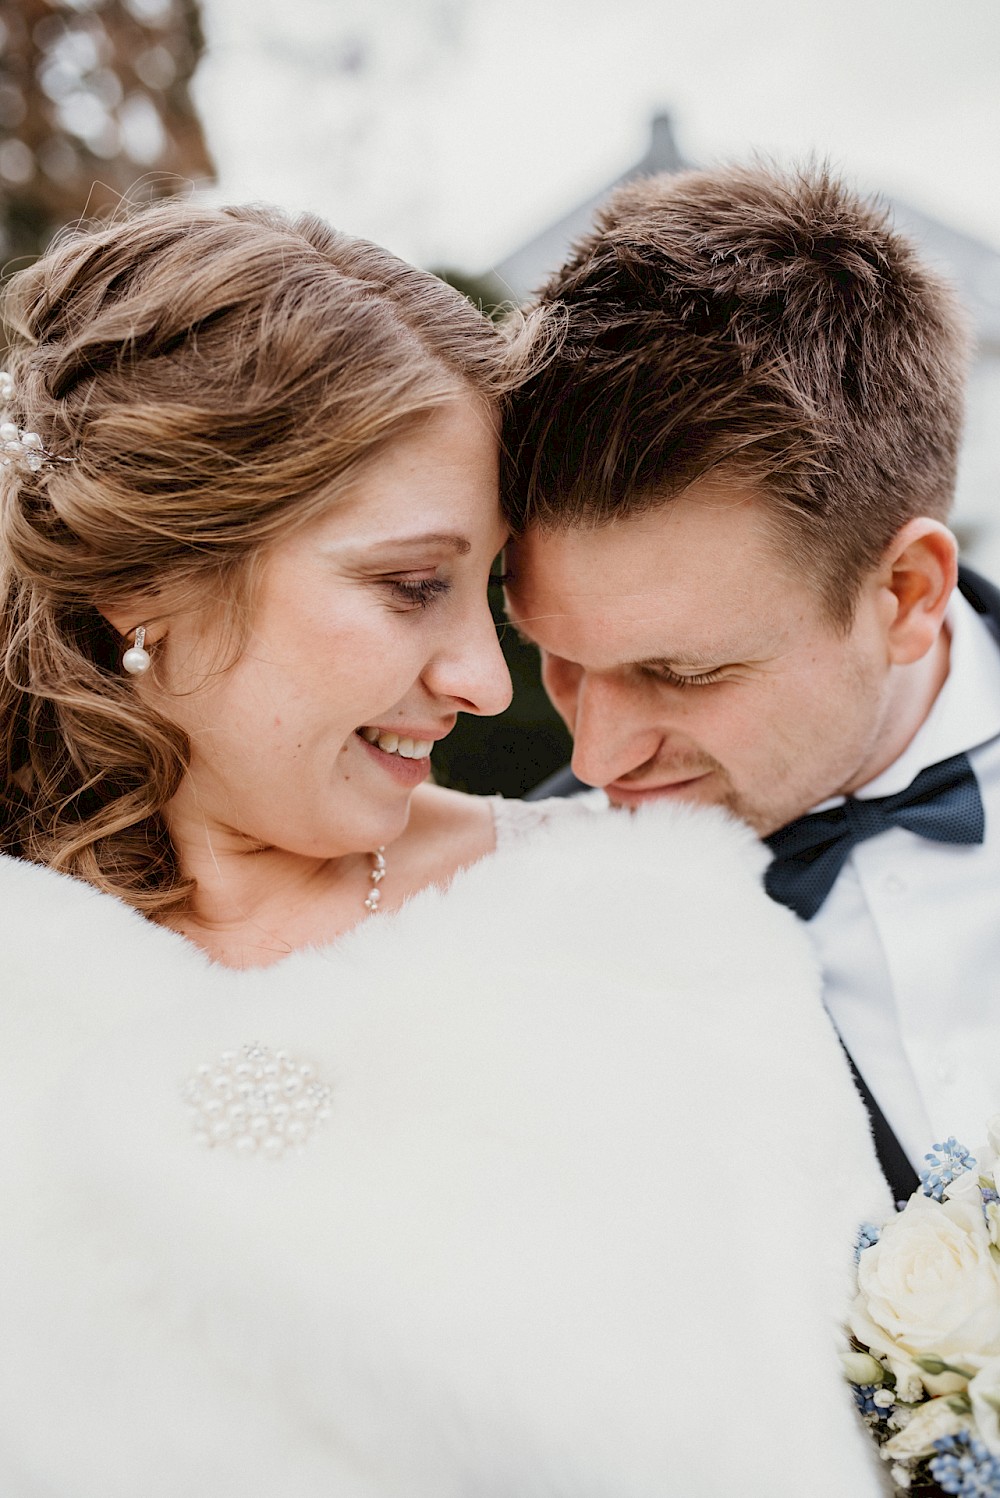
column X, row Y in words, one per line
column 671, row 662
column 653, row 663
column 686, row 660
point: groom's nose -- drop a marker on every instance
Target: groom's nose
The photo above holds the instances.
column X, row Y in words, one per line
column 612, row 735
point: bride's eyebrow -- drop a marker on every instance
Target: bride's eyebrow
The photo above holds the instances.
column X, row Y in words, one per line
column 392, row 546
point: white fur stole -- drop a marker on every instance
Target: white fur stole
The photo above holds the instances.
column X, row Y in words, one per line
column 579, row 1225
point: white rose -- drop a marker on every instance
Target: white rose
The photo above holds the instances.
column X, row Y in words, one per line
column 984, row 1391
column 928, row 1424
column 966, row 1185
column 930, row 1287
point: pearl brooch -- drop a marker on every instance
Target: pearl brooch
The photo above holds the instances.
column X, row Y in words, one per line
column 255, row 1101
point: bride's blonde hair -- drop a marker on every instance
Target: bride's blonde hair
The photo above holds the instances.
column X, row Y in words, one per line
column 210, row 375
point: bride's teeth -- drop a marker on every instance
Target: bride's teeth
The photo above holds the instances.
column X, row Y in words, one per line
column 391, row 743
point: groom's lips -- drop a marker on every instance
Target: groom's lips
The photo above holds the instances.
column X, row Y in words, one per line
column 635, row 795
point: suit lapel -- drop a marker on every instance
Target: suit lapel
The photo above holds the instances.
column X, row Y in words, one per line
column 903, row 1179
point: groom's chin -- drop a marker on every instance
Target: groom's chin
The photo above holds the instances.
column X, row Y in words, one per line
column 710, row 788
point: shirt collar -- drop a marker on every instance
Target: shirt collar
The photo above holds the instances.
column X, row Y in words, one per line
column 965, row 713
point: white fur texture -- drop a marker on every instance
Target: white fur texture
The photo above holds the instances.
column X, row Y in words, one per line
column 580, row 1225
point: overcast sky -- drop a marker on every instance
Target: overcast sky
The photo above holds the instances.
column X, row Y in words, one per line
column 452, row 130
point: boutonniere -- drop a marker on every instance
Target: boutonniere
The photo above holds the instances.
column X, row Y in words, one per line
column 925, row 1326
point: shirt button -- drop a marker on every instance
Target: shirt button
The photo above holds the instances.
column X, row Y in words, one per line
column 893, row 885
column 946, row 1075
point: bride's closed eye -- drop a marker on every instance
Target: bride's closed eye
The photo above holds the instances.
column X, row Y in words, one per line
column 415, row 592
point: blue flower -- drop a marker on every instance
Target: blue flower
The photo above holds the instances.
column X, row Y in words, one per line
column 868, row 1236
column 949, row 1160
column 864, row 1398
column 964, row 1466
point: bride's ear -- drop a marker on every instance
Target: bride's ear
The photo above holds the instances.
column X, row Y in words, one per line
column 919, row 571
column 135, row 613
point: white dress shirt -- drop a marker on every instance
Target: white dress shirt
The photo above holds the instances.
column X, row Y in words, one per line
column 909, row 936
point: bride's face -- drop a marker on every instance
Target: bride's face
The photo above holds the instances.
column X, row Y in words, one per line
column 371, row 632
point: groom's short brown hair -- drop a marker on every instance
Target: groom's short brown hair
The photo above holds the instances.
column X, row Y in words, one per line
column 769, row 326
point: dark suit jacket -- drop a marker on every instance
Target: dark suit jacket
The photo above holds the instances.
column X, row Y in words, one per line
column 985, row 599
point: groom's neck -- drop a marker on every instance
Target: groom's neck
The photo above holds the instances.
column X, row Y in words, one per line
column 913, row 692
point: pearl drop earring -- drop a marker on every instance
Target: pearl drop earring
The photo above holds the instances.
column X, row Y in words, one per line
column 136, row 659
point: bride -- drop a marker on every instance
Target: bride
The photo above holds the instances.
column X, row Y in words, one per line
column 363, row 1139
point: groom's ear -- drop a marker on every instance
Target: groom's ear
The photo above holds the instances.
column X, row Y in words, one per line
column 916, row 578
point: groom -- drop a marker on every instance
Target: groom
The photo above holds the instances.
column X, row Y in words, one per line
column 730, row 480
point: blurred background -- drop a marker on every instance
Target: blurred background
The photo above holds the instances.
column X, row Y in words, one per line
column 476, row 137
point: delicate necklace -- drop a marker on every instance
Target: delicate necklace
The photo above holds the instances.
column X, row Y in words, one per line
column 376, row 875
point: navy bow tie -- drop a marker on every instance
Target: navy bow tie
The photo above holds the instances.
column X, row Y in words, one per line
column 942, row 804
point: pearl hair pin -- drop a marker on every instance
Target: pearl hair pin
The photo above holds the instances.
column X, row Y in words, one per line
column 21, row 451
column 136, row 659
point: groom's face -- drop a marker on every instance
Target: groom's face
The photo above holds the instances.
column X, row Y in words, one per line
column 690, row 659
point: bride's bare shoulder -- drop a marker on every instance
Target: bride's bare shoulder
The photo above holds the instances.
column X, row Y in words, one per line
column 447, row 830
column 473, row 826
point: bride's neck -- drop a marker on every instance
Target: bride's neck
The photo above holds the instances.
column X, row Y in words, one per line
column 251, row 905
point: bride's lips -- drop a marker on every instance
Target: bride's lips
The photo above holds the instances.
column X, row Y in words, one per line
column 405, row 755
column 628, row 795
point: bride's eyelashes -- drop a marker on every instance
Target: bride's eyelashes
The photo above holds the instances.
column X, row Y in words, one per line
column 419, row 592
column 415, row 592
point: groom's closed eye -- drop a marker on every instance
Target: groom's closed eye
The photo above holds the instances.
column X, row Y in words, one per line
column 665, row 672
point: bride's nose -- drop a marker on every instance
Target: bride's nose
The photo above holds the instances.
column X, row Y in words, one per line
column 470, row 670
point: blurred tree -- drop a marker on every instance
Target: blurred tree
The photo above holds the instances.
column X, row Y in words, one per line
column 94, row 108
